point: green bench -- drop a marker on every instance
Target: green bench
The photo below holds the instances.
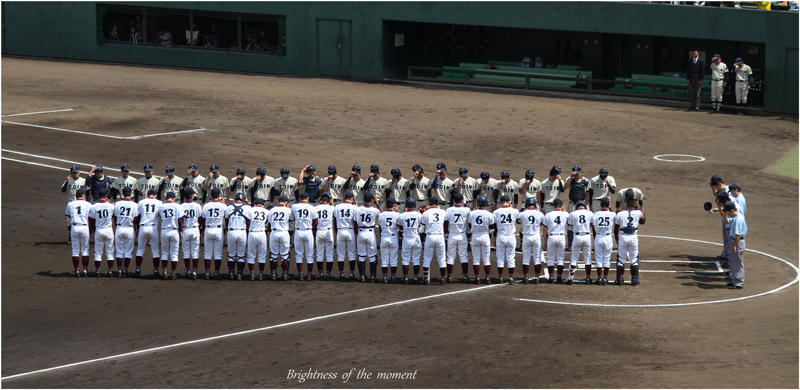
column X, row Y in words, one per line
column 505, row 79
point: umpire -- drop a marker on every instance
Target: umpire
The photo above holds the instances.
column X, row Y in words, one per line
column 695, row 72
column 96, row 181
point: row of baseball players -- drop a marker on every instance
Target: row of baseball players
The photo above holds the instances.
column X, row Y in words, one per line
column 353, row 229
column 732, row 207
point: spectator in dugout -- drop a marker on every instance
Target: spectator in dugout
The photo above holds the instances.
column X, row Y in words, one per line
column 164, row 37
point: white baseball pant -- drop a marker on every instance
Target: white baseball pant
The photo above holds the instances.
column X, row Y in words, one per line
column 80, row 240
column 457, row 243
column 628, row 249
column 504, row 250
column 411, row 250
column 103, row 242
column 481, row 249
column 366, row 246
column 434, row 243
column 237, row 245
column 581, row 242
column 212, row 244
column 279, row 245
column 741, row 92
column 389, row 251
column 532, row 247
column 257, row 247
column 716, row 90
column 123, row 241
column 324, row 244
column 555, row 249
column 603, row 245
column 147, row 234
column 345, row 244
column 303, row 246
column 170, row 241
column 190, row 243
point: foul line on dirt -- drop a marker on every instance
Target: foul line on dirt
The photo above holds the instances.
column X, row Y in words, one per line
column 58, row 159
column 38, row 112
column 787, row 285
column 106, row 135
column 344, row 313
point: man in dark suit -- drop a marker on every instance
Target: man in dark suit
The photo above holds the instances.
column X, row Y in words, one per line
column 695, row 71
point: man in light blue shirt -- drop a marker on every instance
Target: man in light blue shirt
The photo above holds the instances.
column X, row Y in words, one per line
column 738, row 231
column 736, row 194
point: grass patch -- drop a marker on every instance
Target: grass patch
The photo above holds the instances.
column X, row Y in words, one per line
column 787, row 165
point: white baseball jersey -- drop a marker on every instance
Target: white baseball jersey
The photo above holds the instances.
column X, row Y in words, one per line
column 170, row 213
column 378, row 188
column 344, row 214
column 220, row 182
column 530, row 219
column 335, row 188
column 357, row 188
column 196, row 183
column 125, row 211
column 146, row 184
column 718, row 71
column 457, row 219
column 303, row 215
column 263, row 188
column 78, row 211
column 556, row 222
column 420, row 191
column 506, row 219
column 469, row 185
column 257, row 216
column 603, row 222
column 550, row 190
column 399, row 189
column 510, row 189
column 580, row 220
column 102, row 212
column 74, row 185
column 236, row 215
column 191, row 214
column 599, row 187
column 214, row 213
column 480, row 220
column 123, row 182
column 148, row 211
column 289, row 186
column 324, row 216
column 366, row 216
column 628, row 221
column 241, row 186
column 443, row 188
column 387, row 221
column 743, row 73
column 531, row 190
column 637, row 195
column 433, row 220
column 171, row 185
column 487, row 190
column 278, row 218
column 410, row 221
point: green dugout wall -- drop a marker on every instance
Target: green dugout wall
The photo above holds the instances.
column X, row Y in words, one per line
column 357, row 40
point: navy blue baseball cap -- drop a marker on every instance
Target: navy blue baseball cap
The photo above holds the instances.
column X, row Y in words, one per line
column 125, row 168
column 80, row 192
column 331, row 169
column 390, row 202
column 303, row 195
column 170, row 170
column 127, row 191
column 188, row 191
column 284, row 172
column 603, row 173
column 505, row 198
column 239, row 196
column 357, row 168
column 485, row 175
column 259, row 201
column 463, row 172
column 74, row 169
column 530, row 202
column 193, row 167
column 576, row 168
column 729, row 206
column 434, row 200
column 98, row 168
column 170, row 195
column 368, row 197
column 411, row 203
column 311, row 168
column 396, row 172
column 529, row 174
column 738, row 60
column 214, row 168
column 348, row 195
column 458, row 198
column 102, row 192
column 441, row 166
column 283, row 199
column 240, row 171
column 148, row 167
column 261, row 171
column 557, row 202
column 215, row 192
column 505, row 175
column 374, row 168
column 604, row 202
column 735, row 186
column 482, row 201
column 417, row 168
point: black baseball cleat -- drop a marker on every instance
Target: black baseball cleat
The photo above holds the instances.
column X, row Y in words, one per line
column 194, row 275
column 285, row 276
column 427, row 282
column 635, row 280
column 405, row 281
column 97, row 274
column 173, row 276
column 477, row 280
column 442, row 281
column 273, row 277
column 362, row 279
column 511, row 281
column 110, row 273
column 77, row 274
column 735, row 287
column 551, row 280
column 535, row 280
column 415, row 280
column 393, row 280
column 488, row 280
column 155, row 272
column 559, row 280
column 373, row 279
column 85, row 274
column 449, row 279
column 588, row 280
column 524, row 280
column 138, row 273
column 465, row 279
column 569, row 281
column 619, row 282
column 231, row 276
column 308, row 277
column 385, row 280
column 599, row 281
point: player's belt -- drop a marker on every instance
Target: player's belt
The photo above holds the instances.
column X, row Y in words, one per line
column 213, row 226
column 581, row 234
column 346, row 228
column 78, row 224
column 716, row 79
column 550, row 203
column 302, row 230
column 257, row 231
column 168, row 228
column 530, row 234
column 323, row 229
column 607, row 234
column 190, row 227
column 557, row 234
column 149, row 224
column 234, row 229
column 369, row 229
column 435, row 234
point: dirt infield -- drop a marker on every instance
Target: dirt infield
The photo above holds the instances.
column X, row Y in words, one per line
column 482, row 338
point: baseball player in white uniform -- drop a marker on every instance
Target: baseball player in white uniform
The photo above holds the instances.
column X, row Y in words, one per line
column 237, row 223
column 602, row 226
column 366, row 218
column 488, row 189
column 257, row 248
column 326, row 235
column 126, row 213
column 73, row 183
column 377, row 185
column 387, row 224
column 530, row 188
column 240, row 184
column 304, row 216
column 194, row 181
column 480, row 221
column 555, row 229
column 744, row 79
column 551, row 189
column 262, row 188
column 148, row 231
column 355, row 185
column 442, row 186
column 626, row 224
column 506, row 218
column 78, row 213
column 215, row 180
column 509, row 188
column 719, row 80
column 456, row 227
column 530, row 219
column 631, row 192
column 213, row 220
column 334, row 185
column 581, row 221
column 410, row 221
column 100, row 224
column 600, row 187
column 468, row 187
column 122, row 181
column 419, row 186
column 290, row 188
column 169, row 183
column 147, row 183
column 171, row 214
column 345, row 234
column 398, row 187
column 433, row 223
column 278, row 219
column 190, row 237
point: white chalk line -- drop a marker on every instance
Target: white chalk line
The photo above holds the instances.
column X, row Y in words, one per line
column 698, row 158
column 344, row 313
column 38, row 112
column 32, row 163
column 62, row 160
column 134, row 137
column 787, row 285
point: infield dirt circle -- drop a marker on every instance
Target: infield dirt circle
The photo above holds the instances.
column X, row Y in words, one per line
column 482, row 338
